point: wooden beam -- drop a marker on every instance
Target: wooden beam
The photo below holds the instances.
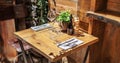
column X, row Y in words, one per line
column 107, row 17
column 7, row 29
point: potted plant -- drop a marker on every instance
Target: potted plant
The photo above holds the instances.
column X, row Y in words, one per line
column 64, row 19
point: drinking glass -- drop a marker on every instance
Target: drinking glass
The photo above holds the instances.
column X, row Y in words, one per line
column 51, row 15
column 54, row 34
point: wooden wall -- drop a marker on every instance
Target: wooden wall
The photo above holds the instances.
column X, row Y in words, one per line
column 113, row 5
column 64, row 5
column 98, row 5
column 83, row 7
column 107, row 49
column 6, row 12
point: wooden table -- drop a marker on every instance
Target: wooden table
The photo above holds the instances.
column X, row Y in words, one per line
column 42, row 43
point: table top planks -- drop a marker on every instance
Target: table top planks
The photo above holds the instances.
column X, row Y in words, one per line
column 41, row 41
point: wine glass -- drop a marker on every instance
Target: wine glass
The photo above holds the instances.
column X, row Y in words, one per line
column 54, row 34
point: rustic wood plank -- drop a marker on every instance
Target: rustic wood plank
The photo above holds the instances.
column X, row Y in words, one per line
column 5, row 2
column 6, row 12
column 7, row 28
column 20, row 24
column 113, row 6
column 115, row 1
column 66, row 5
column 107, row 17
column 83, row 8
column 110, row 53
column 106, row 27
column 98, row 29
column 98, row 5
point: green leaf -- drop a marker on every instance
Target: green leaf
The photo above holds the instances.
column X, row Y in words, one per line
column 64, row 16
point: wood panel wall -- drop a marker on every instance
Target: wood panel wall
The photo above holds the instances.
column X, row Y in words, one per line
column 107, row 49
column 7, row 28
column 111, row 46
column 6, row 12
column 113, row 5
column 64, row 5
column 98, row 5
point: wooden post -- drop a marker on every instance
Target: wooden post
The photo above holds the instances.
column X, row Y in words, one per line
column 7, row 29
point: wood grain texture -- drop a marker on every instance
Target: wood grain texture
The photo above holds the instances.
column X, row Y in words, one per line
column 113, row 5
column 107, row 50
column 20, row 24
column 64, row 5
column 6, row 12
column 20, row 11
column 44, row 45
column 107, row 17
column 98, row 5
column 98, row 29
column 83, row 8
column 110, row 53
column 106, row 27
column 5, row 2
column 7, row 28
column 116, row 1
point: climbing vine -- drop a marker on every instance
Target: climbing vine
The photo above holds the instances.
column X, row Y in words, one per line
column 37, row 12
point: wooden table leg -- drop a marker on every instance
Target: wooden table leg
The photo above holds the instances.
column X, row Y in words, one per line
column 86, row 55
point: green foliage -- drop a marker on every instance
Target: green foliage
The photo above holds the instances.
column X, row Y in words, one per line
column 37, row 11
column 64, row 16
column 42, row 10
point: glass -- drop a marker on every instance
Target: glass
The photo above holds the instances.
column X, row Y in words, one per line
column 76, row 23
column 54, row 34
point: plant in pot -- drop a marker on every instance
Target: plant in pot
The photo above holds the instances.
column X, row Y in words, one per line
column 64, row 19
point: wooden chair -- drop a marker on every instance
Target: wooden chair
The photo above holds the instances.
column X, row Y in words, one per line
column 29, row 51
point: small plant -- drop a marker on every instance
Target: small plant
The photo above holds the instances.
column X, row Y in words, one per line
column 64, row 16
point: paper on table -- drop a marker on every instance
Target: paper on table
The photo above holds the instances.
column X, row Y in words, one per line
column 70, row 43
